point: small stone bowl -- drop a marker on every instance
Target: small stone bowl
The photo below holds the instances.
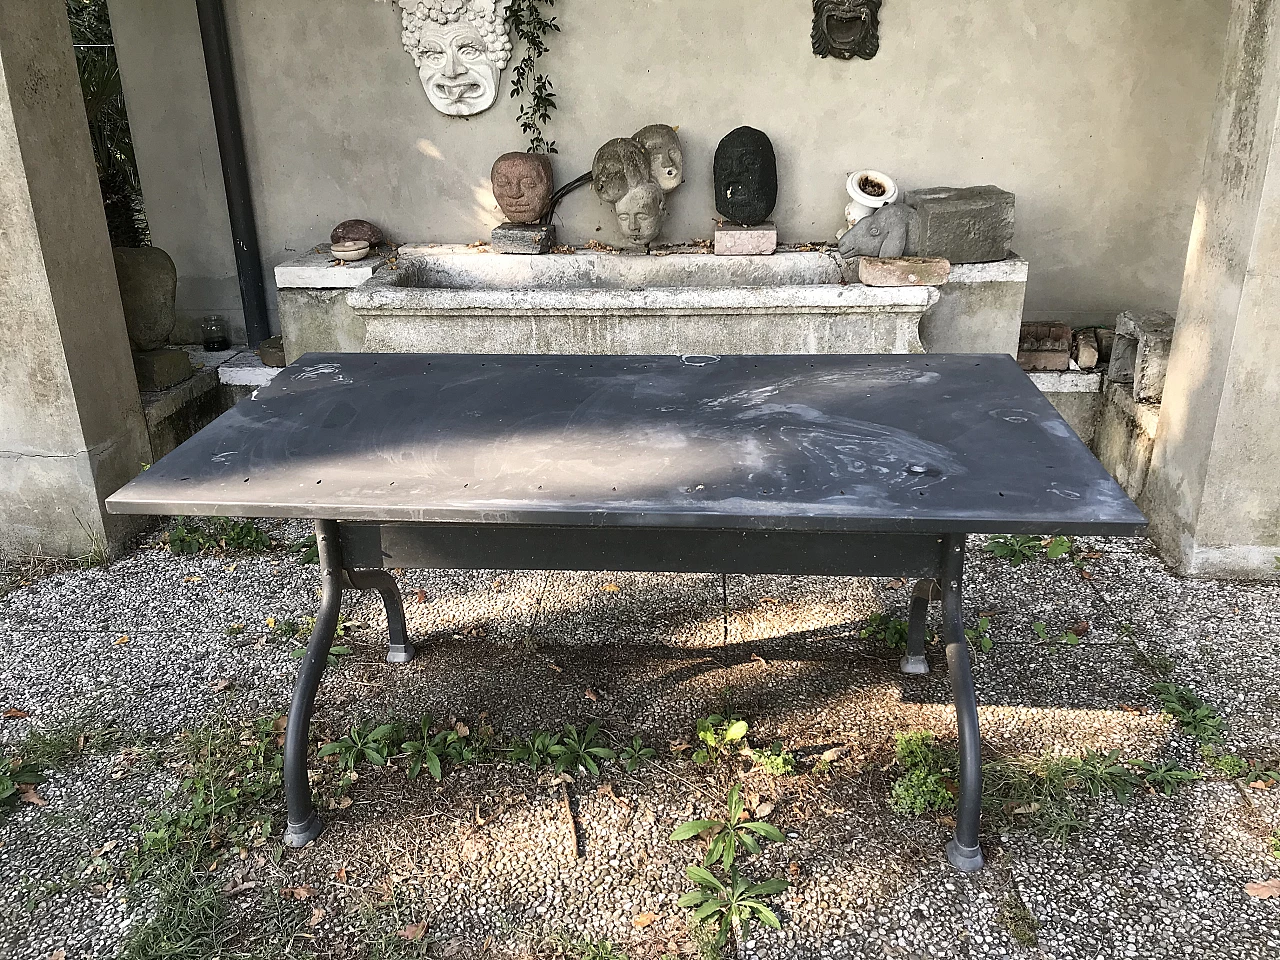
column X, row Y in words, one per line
column 350, row 250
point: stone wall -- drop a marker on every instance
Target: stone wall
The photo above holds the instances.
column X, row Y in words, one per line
column 1094, row 113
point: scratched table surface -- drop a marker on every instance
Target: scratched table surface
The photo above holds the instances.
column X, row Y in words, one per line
column 922, row 443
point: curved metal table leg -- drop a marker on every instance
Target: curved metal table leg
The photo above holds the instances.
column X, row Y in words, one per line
column 963, row 850
column 401, row 650
column 304, row 824
column 914, row 661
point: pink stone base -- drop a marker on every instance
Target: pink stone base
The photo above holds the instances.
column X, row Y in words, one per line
column 733, row 240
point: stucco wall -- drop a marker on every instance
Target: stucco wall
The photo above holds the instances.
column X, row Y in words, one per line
column 1094, row 112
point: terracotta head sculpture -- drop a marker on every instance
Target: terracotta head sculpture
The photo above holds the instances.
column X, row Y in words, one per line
column 522, row 185
column 666, row 155
column 746, row 177
column 460, row 48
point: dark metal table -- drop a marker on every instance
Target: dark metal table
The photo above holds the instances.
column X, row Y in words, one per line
column 837, row 465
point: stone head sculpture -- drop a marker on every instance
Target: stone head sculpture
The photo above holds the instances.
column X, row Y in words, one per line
column 666, row 155
column 891, row 231
column 522, row 185
column 746, row 177
column 618, row 166
column 460, row 48
column 846, row 28
column 641, row 213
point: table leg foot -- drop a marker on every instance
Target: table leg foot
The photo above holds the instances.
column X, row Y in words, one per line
column 400, row 650
column 304, row 824
column 298, row 836
column 915, row 663
column 965, row 859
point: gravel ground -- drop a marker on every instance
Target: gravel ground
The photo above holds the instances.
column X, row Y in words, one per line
column 486, row 859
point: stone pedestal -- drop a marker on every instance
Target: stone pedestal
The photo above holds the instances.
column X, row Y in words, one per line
column 903, row 271
column 734, row 240
column 71, row 424
column 526, row 238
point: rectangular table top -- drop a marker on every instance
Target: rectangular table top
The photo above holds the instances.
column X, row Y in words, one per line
column 922, row 443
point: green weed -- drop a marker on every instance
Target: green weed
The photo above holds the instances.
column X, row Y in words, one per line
column 979, row 635
column 216, row 535
column 636, row 754
column 364, row 743
column 1198, row 718
column 1017, row 918
column 885, row 630
column 580, row 752
column 1229, row 765
column 775, row 761
column 1166, row 777
column 1020, row 550
column 721, row 738
column 726, row 836
column 730, row 907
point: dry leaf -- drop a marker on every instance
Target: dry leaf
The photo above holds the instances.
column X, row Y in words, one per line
column 642, row 920
column 461, row 729
column 317, row 914
column 234, row 886
column 611, row 588
column 27, row 794
column 421, row 596
column 1260, row 784
column 763, row 810
column 834, row 754
column 220, row 685
column 120, row 640
column 1264, row 890
column 759, row 659
column 592, row 695
column 298, row 893
column 414, row 932
column 59, row 954
column 341, row 875
column 13, row 713
column 555, row 668
column 191, row 580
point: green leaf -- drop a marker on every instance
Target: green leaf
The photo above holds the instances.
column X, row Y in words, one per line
column 710, row 908
column 764, row 914
column 329, row 749
column 692, row 898
column 768, row 888
column 703, row 876
column 687, row 831
column 766, row 830
column 736, row 731
column 433, row 765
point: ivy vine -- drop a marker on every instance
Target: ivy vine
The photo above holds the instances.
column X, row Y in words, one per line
column 539, row 98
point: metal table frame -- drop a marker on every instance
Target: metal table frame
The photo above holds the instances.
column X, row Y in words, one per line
column 356, row 555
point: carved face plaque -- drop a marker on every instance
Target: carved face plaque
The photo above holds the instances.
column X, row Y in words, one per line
column 641, row 213
column 846, row 28
column 666, row 156
column 460, row 48
column 746, row 177
column 618, row 166
column 522, row 185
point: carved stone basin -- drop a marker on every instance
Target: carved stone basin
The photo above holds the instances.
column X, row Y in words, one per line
column 456, row 300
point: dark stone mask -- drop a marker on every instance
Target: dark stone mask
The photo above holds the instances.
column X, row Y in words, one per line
column 846, row 28
column 746, row 177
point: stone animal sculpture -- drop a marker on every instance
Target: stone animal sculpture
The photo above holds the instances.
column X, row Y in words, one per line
column 522, row 185
column 634, row 175
column 460, row 48
column 846, row 28
column 746, row 177
column 892, row 231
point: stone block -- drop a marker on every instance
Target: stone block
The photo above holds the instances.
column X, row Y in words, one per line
column 525, row 238
column 963, row 224
column 1125, row 437
column 1140, row 354
column 161, row 369
column 736, row 240
column 903, row 271
column 1106, row 340
column 271, row 351
column 1084, row 349
column 1045, row 346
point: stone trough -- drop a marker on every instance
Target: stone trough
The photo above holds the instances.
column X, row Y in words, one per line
column 457, row 299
